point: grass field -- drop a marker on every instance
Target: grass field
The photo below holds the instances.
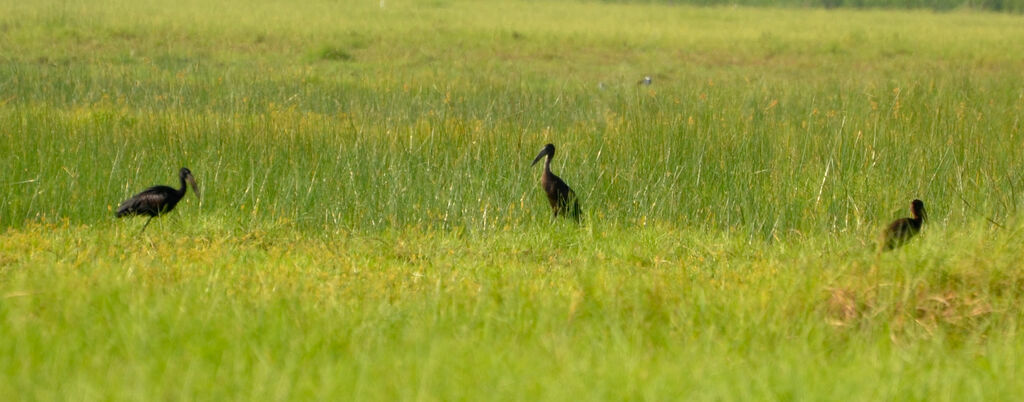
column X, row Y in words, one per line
column 371, row 227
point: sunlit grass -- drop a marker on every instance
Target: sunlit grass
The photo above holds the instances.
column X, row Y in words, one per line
column 371, row 226
column 551, row 314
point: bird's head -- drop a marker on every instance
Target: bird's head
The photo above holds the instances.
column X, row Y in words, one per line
column 548, row 150
column 917, row 210
column 187, row 176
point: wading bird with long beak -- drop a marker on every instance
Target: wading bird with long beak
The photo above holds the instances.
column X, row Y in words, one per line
column 157, row 200
column 563, row 200
column 901, row 230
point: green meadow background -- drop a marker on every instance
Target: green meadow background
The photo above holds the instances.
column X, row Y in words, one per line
column 370, row 226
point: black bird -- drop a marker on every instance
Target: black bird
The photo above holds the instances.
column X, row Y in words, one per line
column 563, row 200
column 157, row 200
column 901, row 230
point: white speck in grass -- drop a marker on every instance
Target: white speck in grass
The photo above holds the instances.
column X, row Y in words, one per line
column 29, row 181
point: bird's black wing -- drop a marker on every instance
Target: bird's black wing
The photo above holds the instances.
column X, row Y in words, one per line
column 898, row 232
column 149, row 202
column 574, row 211
column 563, row 199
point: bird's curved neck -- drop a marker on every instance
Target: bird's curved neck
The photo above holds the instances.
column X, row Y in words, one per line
column 916, row 219
column 547, row 163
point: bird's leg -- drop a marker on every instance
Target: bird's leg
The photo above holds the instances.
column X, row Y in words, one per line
column 144, row 226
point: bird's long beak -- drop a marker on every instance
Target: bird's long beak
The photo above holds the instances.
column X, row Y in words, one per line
column 540, row 156
column 195, row 187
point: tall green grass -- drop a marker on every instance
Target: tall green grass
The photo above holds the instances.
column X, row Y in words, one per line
column 765, row 121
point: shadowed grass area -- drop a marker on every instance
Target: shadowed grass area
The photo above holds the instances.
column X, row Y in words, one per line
column 371, row 228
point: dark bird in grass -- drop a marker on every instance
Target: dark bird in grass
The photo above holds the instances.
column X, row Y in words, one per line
column 562, row 198
column 901, row 230
column 157, row 200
